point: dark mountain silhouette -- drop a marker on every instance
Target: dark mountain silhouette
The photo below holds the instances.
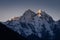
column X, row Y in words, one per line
column 7, row 33
column 33, row 37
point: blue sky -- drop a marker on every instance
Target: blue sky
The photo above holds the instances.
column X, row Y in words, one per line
column 11, row 8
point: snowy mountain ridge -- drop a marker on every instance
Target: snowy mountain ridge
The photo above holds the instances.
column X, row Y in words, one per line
column 30, row 23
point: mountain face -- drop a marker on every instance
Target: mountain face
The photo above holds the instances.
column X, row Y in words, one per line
column 35, row 27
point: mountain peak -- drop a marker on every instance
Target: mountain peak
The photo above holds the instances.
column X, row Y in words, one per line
column 29, row 12
column 39, row 12
column 27, row 15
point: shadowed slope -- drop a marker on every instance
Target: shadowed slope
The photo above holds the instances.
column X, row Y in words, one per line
column 6, row 33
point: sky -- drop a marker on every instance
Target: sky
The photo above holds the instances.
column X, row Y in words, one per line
column 11, row 8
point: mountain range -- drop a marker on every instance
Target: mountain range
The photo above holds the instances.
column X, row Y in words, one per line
column 34, row 27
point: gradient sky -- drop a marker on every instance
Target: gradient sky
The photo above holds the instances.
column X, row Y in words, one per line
column 11, row 8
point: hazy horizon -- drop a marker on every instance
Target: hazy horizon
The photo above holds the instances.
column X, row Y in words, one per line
column 11, row 8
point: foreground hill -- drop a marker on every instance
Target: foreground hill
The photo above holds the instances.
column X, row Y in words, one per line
column 7, row 33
